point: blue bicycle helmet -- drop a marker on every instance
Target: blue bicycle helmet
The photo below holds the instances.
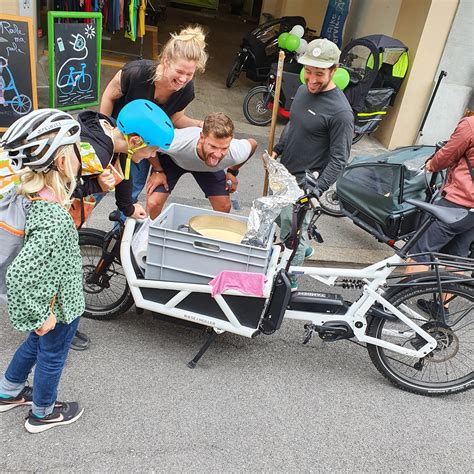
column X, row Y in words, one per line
column 148, row 120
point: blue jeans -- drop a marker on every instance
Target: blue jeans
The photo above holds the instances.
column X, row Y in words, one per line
column 49, row 353
column 138, row 175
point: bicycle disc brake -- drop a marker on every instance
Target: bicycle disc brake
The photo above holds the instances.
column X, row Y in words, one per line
column 447, row 343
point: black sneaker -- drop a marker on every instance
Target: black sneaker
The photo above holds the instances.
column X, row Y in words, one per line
column 63, row 414
column 25, row 397
column 434, row 309
column 80, row 341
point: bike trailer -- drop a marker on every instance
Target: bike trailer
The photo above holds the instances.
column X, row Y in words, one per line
column 377, row 65
column 372, row 190
column 262, row 45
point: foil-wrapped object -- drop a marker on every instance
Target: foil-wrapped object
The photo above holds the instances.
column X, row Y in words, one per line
column 284, row 191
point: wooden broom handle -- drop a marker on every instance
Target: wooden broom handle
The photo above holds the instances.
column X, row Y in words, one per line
column 276, row 106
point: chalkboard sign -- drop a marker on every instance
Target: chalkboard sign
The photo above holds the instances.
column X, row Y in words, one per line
column 17, row 69
column 74, row 51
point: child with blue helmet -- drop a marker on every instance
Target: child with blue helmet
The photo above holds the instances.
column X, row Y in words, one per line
column 142, row 128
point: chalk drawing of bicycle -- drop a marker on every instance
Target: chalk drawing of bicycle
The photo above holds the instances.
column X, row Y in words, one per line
column 20, row 103
column 79, row 79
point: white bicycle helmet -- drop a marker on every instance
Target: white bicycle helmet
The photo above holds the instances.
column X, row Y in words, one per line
column 34, row 139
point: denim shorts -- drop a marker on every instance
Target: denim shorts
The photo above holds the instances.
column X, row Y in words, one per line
column 211, row 183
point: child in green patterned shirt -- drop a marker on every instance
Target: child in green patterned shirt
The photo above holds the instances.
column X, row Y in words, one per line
column 44, row 281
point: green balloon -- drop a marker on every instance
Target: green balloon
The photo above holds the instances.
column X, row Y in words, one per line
column 341, row 78
column 302, row 75
column 282, row 39
column 292, row 42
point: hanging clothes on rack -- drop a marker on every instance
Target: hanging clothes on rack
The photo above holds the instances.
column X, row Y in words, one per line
column 141, row 19
column 121, row 22
column 112, row 24
column 116, row 14
column 68, row 5
column 131, row 7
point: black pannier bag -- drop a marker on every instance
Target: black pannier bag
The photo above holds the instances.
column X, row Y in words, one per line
column 373, row 190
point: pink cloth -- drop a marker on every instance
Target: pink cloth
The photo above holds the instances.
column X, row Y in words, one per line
column 248, row 283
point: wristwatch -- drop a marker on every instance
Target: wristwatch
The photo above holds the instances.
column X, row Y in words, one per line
column 232, row 172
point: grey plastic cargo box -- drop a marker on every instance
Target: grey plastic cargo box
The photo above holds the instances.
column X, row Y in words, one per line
column 178, row 255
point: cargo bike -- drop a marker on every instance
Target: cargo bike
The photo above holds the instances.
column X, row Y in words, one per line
column 422, row 350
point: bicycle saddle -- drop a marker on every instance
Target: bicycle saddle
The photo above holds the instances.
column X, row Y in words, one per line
column 447, row 215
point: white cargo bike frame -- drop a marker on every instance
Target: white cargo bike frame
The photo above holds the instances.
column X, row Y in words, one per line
column 374, row 276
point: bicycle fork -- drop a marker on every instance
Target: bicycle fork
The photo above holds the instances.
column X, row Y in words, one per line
column 110, row 250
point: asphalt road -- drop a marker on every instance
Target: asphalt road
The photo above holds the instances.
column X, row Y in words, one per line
column 267, row 405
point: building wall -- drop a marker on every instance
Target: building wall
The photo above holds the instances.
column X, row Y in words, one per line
column 455, row 92
column 272, row 7
column 10, row 7
column 368, row 17
column 313, row 11
column 424, row 27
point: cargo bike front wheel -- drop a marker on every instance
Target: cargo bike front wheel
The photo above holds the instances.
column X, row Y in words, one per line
column 106, row 290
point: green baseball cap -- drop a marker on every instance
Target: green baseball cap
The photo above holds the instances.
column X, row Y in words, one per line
column 320, row 53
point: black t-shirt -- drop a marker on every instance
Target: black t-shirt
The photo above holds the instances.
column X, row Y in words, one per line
column 93, row 133
column 137, row 83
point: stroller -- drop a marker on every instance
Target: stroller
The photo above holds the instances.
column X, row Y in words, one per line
column 259, row 49
column 377, row 65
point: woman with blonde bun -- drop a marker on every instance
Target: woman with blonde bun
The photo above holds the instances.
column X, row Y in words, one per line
column 168, row 82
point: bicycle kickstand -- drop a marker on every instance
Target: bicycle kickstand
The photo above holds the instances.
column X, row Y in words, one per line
column 308, row 333
column 192, row 364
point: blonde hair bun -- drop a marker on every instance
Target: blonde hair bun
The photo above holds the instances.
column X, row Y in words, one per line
column 189, row 44
column 192, row 33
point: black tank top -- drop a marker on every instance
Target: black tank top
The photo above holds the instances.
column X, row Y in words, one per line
column 137, row 83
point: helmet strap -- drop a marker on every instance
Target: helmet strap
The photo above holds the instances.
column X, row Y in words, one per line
column 131, row 150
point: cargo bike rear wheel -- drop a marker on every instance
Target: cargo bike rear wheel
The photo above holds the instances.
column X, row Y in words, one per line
column 449, row 367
